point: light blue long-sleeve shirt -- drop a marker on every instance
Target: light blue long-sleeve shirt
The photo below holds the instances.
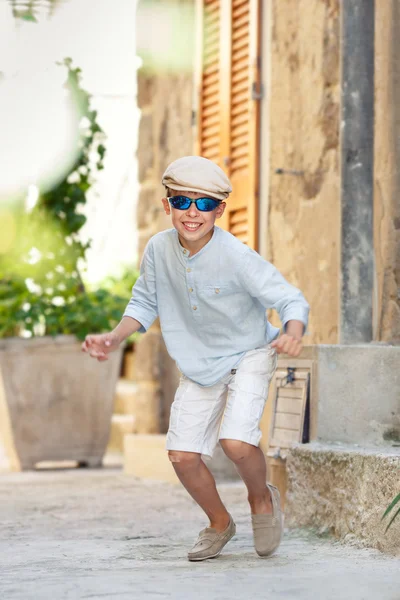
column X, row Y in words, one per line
column 212, row 306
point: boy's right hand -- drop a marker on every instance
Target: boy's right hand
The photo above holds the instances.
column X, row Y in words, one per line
column 100, row 345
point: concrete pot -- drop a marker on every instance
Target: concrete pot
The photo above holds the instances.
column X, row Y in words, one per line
column 55, row 402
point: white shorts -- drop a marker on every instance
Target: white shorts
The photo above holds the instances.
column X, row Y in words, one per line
column 237, row 400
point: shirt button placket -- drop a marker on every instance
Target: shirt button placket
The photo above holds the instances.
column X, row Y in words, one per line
column 190, row 287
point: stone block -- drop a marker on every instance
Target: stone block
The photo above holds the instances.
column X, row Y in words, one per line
column 145, row 456
column 148, row 356
column 129, row 366
column 125, row 397
column 358, row 394
column 146, row 83
column 120, row 426
column 145, row 150
column 169, row 381
column 148, row 203
column 344, row 490
column 147, row 411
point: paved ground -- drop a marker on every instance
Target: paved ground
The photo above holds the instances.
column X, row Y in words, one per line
column 77, row 534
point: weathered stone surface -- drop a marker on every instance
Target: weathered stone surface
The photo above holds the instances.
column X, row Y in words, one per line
column 145, row 146
column 74, row 535
column 304, row 136
column 169, row 381
column 121, row 425
column 357, row 391
column 344, row 490
column 55, row 403
column 148, row 356
column 146, row 88
column 148, row 203
column 386, row 171
column 147, row 409
column 125, row 397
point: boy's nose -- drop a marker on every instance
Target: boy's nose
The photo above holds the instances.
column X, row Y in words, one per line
column 192, row 210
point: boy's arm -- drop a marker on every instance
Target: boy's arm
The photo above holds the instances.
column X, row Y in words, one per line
column 142, row 307
column 263, row 281
column 126, row 327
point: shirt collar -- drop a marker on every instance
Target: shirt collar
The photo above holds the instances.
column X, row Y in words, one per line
column 204, row 249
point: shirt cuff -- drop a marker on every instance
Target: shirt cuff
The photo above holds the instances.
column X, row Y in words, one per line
column 299, row 314
column 145, row 321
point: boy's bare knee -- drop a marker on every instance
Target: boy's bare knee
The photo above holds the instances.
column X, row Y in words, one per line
column 183, row 459
column 235, row 449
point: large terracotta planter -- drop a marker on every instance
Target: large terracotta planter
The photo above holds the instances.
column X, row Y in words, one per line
column 55, row 402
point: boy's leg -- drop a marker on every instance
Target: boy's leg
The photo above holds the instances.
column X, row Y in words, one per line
column 240, row 436
column 250, row 463
column 198, row 481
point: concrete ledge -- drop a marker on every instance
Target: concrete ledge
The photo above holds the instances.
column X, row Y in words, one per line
column 344, row 489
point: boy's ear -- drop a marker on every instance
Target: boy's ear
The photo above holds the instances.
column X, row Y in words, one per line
column 167, row 206
column 219, row 211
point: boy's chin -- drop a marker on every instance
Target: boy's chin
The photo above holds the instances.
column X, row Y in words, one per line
column 194, row 235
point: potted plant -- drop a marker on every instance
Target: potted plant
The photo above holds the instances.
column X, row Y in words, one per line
column 55, row 402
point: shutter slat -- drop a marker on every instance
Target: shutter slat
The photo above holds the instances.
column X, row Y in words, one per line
column 241, row 86
column 238, row 216
column 238, row 11
column 239, row 141
column 213, row 109
column 211, row 90
column 239, row 119
column 210, row 100
column 210, row 121
column 210, row 141
column 228, row 118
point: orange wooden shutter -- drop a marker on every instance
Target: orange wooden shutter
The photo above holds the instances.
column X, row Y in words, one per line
column 228, row 81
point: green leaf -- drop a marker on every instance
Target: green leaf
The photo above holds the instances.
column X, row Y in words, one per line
column 391, row 505
column 392, row 519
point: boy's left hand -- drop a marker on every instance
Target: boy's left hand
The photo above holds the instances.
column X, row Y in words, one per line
column 288, row 344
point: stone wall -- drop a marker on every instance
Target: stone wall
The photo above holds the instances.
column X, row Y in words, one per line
column 303, row 226
column 165, row 134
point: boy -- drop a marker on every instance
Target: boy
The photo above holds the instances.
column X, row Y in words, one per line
column 211, row 293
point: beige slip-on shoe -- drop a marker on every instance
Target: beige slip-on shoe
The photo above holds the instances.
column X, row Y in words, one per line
column 268, row 529
column 210, row 542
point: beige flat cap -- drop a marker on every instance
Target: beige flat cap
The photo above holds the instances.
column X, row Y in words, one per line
column 197, row 174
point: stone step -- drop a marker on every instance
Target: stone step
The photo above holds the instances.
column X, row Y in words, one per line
column 345, row 489
column 125, row 397
column 121, row 425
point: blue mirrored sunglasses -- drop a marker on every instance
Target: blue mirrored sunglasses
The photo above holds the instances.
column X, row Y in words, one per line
column 202, row 204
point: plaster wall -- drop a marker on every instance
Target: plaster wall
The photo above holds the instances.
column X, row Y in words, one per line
column 303, row 92
column 386, row 171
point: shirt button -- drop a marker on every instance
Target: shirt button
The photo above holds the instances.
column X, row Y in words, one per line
column 188, row 270
column 185, row 252
column 194, row 307
column 190, row 290
column 217, row 290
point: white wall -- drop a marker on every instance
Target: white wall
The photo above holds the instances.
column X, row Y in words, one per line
column 99, row 35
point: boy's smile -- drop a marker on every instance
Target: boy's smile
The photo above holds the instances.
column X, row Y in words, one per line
column 195, row 228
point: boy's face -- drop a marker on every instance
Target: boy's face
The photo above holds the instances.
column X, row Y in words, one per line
column 192, row 224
